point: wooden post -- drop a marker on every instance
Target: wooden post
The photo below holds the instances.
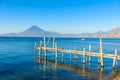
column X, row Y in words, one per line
column 101, row 53
column 45, row 48
column 53, row 42
column 53, row 53
column 75, row 54
column 84, row 55
column 62, row 55
column 35, row 51
column 70, row 56
column 56, row 49
column 35, row 48
column 75, row 60
column 56, row 46
column 48, row 41
column 44, row 42
column 89, row 52
column 115, row 59
column 40, row 50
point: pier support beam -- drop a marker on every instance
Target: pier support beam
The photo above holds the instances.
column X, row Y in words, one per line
column 83, row 56
column 56, row 49
column 45, row 48
column 35, row 48
column 99, row 59
column 76, row 57
column 75, row 54
column 53, row 42
column 101, row 54
column 70, row 57
column 115, row 59
column 62, row 54
column 87, row 57
column 40, row 50
column 53, row 53
column 53, row 45
column 89, row 52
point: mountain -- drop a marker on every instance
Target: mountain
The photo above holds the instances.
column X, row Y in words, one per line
column 32, row 31
column 35, row 31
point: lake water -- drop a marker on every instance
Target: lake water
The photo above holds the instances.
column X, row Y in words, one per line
column 17, row 60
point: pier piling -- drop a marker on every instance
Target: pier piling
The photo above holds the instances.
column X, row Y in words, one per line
column 83, row 55
column 45, row 48
column 115, row 59
column 53, row 45
column 89, row 52
column 40, row 50
column 101, row 54
column 70, row 56
column 62, row 54
column 56, row 48
column 35, row 48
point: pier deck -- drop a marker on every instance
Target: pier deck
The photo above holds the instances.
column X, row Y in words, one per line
column 105, row 55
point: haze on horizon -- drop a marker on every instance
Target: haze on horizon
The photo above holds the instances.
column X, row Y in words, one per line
column 63, row 16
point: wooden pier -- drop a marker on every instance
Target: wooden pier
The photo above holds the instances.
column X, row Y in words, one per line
column 86, row 56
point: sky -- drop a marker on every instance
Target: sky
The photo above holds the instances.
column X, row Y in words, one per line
column 63, row 16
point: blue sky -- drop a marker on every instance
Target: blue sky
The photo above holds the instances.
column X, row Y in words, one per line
column 64, row 16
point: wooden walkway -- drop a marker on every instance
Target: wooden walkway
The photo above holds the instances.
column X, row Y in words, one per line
column 84, row 53
column 79, row 52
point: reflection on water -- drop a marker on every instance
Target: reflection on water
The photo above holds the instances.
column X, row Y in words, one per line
column 83, row 70
column 116, row 75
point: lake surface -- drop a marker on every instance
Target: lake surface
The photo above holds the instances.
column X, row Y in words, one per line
column 17, row 60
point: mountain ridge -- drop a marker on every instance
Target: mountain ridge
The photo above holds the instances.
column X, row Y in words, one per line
column 35, row 31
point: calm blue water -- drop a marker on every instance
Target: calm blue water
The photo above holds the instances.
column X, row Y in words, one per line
column 17, row 61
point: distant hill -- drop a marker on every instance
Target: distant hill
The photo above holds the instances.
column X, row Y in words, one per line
column 115, row 32
column 35, row 31
column 9, row 34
